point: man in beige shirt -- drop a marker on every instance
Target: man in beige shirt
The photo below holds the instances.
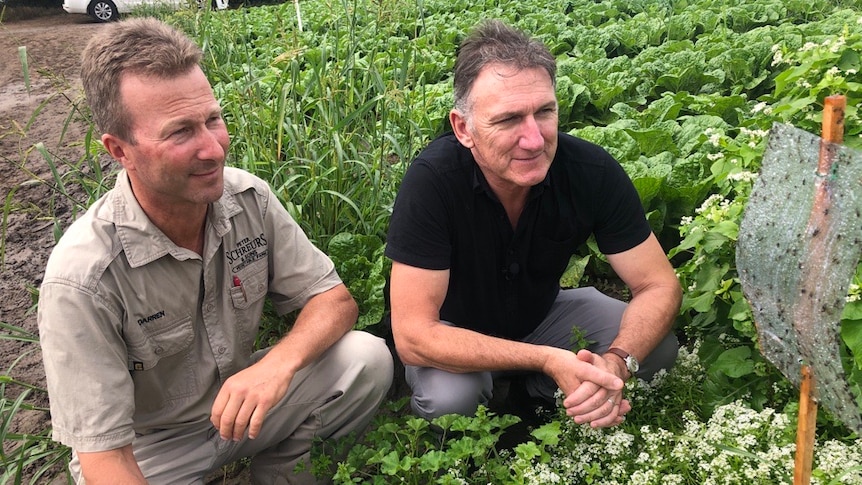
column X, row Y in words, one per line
column 151, row 301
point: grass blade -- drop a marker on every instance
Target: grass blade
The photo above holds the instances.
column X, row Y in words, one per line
column 25, row 66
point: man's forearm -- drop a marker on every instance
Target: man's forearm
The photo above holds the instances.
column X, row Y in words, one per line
column 647, row 320
column 112, row 467
column 324, row 320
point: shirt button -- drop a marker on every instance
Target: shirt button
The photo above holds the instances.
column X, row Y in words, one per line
column 210, row 307
column 159, row 350
column 222, row 350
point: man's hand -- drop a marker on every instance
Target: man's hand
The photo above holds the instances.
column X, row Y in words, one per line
column 244, row 400
column 593, row 391
column 247, row 396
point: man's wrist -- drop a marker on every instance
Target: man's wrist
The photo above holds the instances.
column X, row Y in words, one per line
column 623, row 371
column 629, row 361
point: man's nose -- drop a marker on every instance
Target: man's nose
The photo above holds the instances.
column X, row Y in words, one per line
column 212, row 144
column 531, row 135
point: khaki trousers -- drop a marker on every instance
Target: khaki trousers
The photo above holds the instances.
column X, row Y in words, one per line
column 334, row 396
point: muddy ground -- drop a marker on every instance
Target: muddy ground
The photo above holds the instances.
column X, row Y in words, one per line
column 53, row 41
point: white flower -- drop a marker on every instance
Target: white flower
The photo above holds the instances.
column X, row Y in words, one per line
column 753, row 133
column 777, row 56
column 708, row 203
column 743, row 176
column 762, row 107
column 839, row 43
column 714, row 137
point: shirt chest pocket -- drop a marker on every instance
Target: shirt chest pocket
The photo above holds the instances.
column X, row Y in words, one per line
column 151, row 342
column 249, row 285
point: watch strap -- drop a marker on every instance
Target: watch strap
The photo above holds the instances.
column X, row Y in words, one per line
column 630, row 362
column 622, row 354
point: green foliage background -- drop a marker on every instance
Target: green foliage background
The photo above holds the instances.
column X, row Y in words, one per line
column 331, row 114
column 329, row 101
column 677, row 91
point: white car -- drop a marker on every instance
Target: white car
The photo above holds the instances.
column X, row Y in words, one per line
column 108, row 10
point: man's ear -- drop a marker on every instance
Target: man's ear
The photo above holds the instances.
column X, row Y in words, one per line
column 116, row 148
column 460, row 128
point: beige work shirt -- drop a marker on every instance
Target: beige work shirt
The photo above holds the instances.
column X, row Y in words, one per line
column 138, row 334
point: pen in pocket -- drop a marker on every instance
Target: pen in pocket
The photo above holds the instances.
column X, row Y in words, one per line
column 238, row 283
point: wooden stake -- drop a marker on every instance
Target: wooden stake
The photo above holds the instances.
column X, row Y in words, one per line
column 833, row 131
column 833, row 118
column 805, row 430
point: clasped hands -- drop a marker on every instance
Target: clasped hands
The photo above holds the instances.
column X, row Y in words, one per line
column 592, row 390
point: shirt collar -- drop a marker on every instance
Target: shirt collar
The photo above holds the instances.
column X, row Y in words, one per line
column 141, row 240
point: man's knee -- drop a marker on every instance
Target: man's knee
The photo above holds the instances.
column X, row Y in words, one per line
column 437, row 393
column 371, row 354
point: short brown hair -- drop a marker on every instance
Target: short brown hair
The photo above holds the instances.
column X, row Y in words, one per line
column 140, row 46
column 493, row 42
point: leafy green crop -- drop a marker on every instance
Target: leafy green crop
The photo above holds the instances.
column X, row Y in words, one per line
column 360, row 262
column 679, row 91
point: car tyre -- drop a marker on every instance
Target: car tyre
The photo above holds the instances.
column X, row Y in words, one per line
column 103, row 10
column 214, row 4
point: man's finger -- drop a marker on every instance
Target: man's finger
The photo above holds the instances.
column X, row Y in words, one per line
column 596, row 407
column 242, row 419
column 218, row 409
column 256, row 422
column 593, row 373
column 228, row 417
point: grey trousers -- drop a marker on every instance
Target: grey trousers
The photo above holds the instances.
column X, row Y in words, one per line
column 334, row 396
column 437, row 392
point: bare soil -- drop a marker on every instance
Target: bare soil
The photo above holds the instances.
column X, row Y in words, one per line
column 53, row 40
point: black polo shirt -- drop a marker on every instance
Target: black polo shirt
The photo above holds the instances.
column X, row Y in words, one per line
column 503, row 281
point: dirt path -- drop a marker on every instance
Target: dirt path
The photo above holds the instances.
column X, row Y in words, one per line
column 54, row 42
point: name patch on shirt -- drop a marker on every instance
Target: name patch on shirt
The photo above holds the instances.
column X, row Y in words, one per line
column 152, row 317
column 247, row 251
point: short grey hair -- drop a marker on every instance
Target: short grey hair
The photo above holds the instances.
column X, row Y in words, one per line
column 494, row 42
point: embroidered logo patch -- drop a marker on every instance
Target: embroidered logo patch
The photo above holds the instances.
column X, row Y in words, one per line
column 247, row 251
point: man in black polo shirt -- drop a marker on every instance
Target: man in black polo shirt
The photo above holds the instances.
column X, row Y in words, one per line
column 484, row 225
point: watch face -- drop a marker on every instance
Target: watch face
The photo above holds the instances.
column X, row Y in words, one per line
column 632, row 364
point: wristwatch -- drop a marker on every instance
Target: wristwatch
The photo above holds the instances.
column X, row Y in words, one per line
column 630, row 360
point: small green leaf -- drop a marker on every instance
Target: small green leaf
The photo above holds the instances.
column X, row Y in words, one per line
column 851, row 332
column 734, row 363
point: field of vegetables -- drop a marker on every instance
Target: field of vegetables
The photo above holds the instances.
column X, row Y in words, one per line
column 330, row 100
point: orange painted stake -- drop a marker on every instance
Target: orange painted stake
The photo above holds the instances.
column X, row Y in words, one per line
column 833, row 131
column 805, row 430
